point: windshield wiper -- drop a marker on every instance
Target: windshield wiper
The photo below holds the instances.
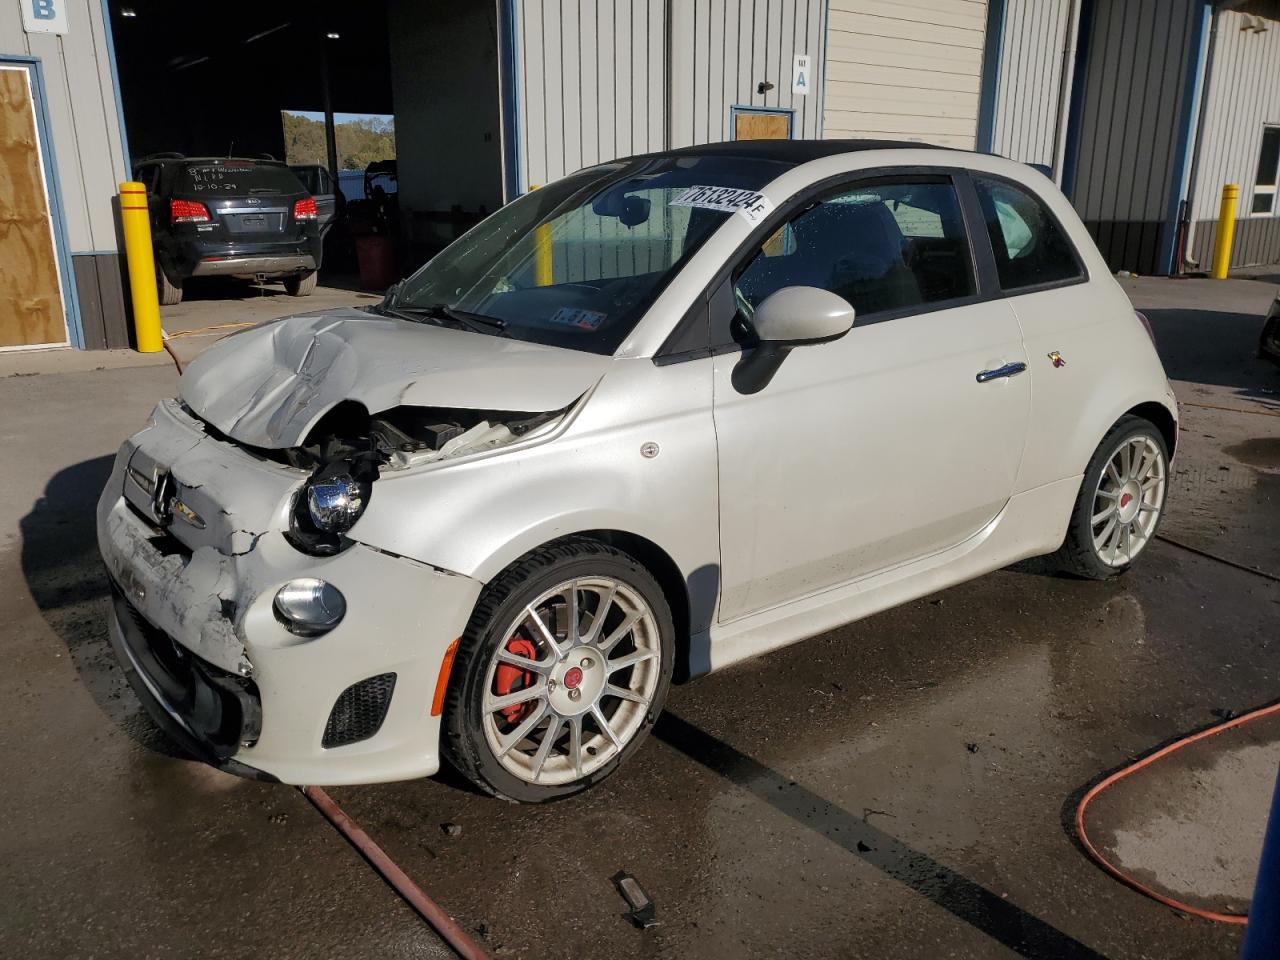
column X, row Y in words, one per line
column 475, row 322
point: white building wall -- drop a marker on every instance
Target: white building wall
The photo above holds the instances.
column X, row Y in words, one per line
column 1036, row 34
column 596, row 81
column 905, row 71
column 1242, row 95
column 80, row 99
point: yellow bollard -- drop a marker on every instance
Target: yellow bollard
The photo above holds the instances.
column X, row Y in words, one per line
column 542, row 264
column 136, row 223
column 1226, row 229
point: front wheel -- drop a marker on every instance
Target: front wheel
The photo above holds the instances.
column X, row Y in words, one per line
column 563, row 669
column 1121, row 501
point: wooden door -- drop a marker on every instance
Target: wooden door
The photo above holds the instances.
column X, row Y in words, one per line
column 31, row 311
column 762, row 126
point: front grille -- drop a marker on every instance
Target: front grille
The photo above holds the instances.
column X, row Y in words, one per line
column 359, row 711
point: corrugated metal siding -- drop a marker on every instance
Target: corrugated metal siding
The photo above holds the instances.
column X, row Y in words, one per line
column 1138, row 66
column 592, row 75
column 724, row 49
column 85, row 129
column 590, row 83
column 905, row 71
column 1242, row 95
column 1255, row 240
column 1028, row 97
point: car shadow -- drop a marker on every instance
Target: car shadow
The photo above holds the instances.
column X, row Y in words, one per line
column 63, row 570
column 1215, row 347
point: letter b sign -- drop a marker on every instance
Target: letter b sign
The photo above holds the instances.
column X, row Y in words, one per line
column 44, row 16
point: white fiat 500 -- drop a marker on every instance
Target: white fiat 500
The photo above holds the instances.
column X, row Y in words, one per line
column 662, row 415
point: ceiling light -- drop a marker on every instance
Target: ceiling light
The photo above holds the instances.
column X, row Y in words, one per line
column 128, row 12
column 333, row 36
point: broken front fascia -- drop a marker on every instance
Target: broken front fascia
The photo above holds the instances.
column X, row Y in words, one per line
column 210, row 589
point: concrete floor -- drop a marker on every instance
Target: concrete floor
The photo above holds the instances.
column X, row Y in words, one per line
column 901, row 787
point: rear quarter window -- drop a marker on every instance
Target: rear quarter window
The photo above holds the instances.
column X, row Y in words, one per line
column 237, row 178
column 1030, row 247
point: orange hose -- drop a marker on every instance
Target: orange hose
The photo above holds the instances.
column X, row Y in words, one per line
column 1238, row 918
column 429, row 910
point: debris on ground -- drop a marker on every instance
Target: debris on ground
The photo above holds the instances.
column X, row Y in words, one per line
column 643, row 912
column 971, row 747
column 450, row 829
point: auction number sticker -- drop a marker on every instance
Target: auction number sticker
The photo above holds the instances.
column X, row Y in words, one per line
column 750, row 204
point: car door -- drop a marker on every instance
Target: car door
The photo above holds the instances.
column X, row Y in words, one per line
column 897, row 441
column 320, row 185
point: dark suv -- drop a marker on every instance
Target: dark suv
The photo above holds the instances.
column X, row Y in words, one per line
column 228, row 216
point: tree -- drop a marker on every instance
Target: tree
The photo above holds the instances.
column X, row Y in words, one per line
column 360, row 142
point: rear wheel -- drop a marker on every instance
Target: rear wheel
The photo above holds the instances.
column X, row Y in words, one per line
column 562, row 671
column 1121, row 501
column 302, row 285
column 170, row 293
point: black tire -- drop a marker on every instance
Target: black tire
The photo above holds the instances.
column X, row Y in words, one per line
column 303, row 285
column 170, row 293
column 1077, row 555
column 464, row 742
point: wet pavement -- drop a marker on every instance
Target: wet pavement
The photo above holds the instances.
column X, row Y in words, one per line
column 901, row 787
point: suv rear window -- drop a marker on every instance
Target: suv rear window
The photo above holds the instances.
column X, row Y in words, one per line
column 237, row 178
column 1030, row 247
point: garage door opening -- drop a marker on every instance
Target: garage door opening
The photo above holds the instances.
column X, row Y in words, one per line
column 339, row 92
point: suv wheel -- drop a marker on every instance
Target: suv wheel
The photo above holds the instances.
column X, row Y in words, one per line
column 563, row 669
column 1121, row 501
column 170, row 293
column 302, row 285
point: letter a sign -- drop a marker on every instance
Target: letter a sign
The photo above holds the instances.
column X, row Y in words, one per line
column 44, row 16
column 801, row 78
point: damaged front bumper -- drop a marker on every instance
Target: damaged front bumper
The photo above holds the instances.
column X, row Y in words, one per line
column 194, row 628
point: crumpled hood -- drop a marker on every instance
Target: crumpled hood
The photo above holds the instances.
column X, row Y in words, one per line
column 267, row 386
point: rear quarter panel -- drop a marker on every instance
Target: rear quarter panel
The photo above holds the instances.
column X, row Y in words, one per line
column 1111, row 365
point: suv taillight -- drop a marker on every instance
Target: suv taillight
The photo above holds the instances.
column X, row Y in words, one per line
column 187, row 211
column 305, row 209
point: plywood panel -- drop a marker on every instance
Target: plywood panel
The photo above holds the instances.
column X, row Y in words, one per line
column 761, row 126
column 30, row 299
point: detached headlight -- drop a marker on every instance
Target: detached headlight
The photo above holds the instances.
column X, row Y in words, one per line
column 309, row 607
column 334, row 503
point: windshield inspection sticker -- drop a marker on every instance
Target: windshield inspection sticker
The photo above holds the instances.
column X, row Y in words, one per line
column 754, row 206
column 581, row 319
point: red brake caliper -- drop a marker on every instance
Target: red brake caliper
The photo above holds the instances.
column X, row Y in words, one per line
column 508, row 678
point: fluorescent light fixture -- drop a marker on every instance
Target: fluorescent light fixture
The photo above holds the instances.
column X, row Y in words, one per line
column 333, row 36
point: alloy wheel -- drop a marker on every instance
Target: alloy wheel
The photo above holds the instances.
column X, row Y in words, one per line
column 573, row 680
column 1128, row 500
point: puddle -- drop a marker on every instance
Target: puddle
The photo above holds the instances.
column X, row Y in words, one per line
column 1259, row 452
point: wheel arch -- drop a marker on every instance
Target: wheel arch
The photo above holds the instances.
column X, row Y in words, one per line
column 691, row 598
column 1164, row 420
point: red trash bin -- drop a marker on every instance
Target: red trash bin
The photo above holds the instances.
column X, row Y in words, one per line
column 375, row 259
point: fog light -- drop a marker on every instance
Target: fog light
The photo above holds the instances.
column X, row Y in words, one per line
column 309, row 607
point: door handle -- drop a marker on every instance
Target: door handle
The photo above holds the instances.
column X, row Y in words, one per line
column 1008, row 370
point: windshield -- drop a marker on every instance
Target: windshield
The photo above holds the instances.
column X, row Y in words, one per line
column 576, row 263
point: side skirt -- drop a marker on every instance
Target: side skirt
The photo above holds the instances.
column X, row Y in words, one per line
column 1032, row 523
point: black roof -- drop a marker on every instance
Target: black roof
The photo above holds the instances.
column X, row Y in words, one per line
column 793, row 151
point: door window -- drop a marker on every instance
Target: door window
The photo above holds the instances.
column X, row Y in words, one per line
column 886, row 245
column 1029, row 246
